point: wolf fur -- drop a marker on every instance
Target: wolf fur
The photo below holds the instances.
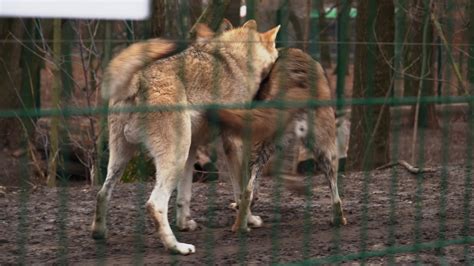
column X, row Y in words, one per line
column 227, row 68
column 295, row 77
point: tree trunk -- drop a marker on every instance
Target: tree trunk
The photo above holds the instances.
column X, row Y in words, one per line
column 370, row 125
column 54, row 135
column 196, row 10
column 212, row 16
column 343, row 38
column 233, row 12
column 324, row 36
column 342, row 51
column 10, row 81
column 471, row 48
column 400, row 32
column 167, row 21
column 31, row 64
column 414, row 79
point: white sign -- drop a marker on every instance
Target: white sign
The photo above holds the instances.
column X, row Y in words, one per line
column 87, row 9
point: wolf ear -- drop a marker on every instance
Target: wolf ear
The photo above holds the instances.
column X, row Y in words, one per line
column 270, row 36
column 251, row 24
column 203, row 33
column 225, row 26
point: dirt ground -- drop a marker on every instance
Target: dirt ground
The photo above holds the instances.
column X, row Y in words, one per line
column 51, row 226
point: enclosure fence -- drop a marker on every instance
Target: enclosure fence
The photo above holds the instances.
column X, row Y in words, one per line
column 389, row 249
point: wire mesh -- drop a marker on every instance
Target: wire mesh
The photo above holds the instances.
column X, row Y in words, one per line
column 281, row 247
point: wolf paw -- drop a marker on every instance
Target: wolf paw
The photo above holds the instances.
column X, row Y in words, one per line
column 183, row 249
column 339, row 221
column 255, row 221
column 99, row 232
column 240, row 228
column 234, row 206
column 189, row 225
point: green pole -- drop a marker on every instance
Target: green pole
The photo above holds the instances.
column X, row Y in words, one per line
column 342, row 50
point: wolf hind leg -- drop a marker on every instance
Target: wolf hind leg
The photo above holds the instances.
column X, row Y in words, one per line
column 169, row 144
column 234, row 159
column 233, row 155
column 324, row 151
column 321, row 142
column 183, row 198
column 327, row 163
column 259, row 158
column 120, row 154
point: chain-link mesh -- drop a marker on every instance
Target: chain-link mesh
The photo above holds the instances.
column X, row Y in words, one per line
column 396, row 214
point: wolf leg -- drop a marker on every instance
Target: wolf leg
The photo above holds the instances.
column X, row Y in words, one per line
column 183, row 198
column 234, row 162
column 169, row 144
column 241, row 222
column 260, row 156
column 328, row 164
column 120, row 154
column 324, row 150
column 321, row 142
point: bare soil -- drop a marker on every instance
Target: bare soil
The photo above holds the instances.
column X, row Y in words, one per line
column 39, row 225
column 51, row 226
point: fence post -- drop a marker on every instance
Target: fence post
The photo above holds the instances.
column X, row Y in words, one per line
column 54, row 133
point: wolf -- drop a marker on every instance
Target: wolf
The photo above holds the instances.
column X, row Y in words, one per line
column 295, row 77
column 225, row 68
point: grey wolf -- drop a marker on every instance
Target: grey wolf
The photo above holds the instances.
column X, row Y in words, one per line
column 224, row 68
column 295, row 77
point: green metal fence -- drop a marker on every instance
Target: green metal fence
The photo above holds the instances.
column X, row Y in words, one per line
column 394, row 217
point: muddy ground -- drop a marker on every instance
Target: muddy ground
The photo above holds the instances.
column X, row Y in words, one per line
column 50, row 226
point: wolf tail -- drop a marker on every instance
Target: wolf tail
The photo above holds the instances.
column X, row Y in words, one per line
column 262, row 123
column 120, row 71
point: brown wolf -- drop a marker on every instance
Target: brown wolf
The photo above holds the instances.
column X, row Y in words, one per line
column 295, row 77
column 227, row 68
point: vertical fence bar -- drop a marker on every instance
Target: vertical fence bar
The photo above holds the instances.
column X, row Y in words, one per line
column 102, row 156
column 421, row 144
column 100, row 165
column 310, row 145
column 54, row 135
column 450, row 9
column 130, row 31
column 371, row 49
column 439, row 66
column 446, row 115
column 468, row 183
column 400, row 32
column 395, row 154
column 140, row 200
column 283, row 14
column 343, row 54
column 282, row 40
column 212, row 190
column 251, row 9
column 343, row 20
column 314, row 30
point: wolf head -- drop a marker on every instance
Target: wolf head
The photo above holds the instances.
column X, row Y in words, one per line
column 253, row 50
column 258, row 48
